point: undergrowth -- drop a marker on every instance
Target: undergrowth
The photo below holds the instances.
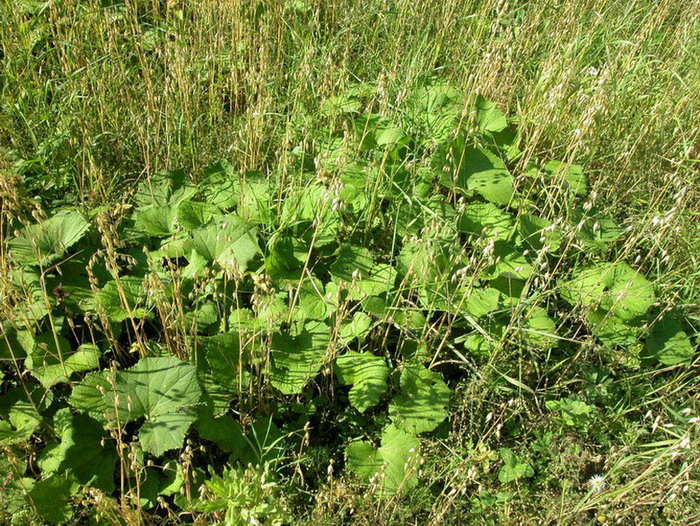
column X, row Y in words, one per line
column 247, row 287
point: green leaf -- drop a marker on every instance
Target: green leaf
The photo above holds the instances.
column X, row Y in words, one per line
column 612, row 286
column 51, row 498
column 157, row 221
column 479, row 170
column 87, row 453
column 486, row 219
column 10, row 348
column 312, row 301
column 571, row 174
column 540, row 329
column 227, row 240
column 380, row 280
column 613, row 331
column 286, row 257
column 488, row 117
column 510, row 263
column 192, row 214
column 367, row 374
column 478, row 302
column 21, row 423
column 352, row 263
column 357, row 328
column 388, row 134
column 89, row 395
column 220, row 186
column 537, row 232
column 224, row 431
column 112, row 297
column 160, row 481
column 298, row 359
column 595, row 229
column 668, row 343
column 263, row 442
column 512, row 468
column 45, row 242
column 164, row 188
column 434, row 107
column 164, row 391
column 256, row 204
column 393, row 466
column 573, row 413
column 52, row 365
column 421, row 405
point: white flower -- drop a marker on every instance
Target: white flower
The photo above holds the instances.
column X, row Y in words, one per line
column 597, row 483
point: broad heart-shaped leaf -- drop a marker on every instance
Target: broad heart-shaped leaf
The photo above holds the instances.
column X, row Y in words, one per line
column 393, row 466
column 21, row 423
column 52, row 364
column 595, row 229
column 510, row 263
column 298, row 359
column 160, row 481
column 228, row 240
column 380, row 280
column 255, row 202
column 220, row 186
column 476, row 302
column 312, row 303
column 286, row 257
column 434, row 108
column 537, row 233
column 571, row 174
column 616, row 287
column 45, row 242
column 488, row 117
column 155, row 221
column 352, row 263
column 89, row 395
column 355, row 267
column 540, row 330
column 84, row 451
column 613, row 331
column 475, row 169
column 421, row 405
column 486, row 219
column 164, row 188
column 192, row 214
column 367, row 374
column 668, row 343
column 164, row 391
column 355, row 328
column 51, row 498
column 111, row 299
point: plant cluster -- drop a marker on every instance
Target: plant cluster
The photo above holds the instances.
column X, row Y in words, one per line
column 217, row 332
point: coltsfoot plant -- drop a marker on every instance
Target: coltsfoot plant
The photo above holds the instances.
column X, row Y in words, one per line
column 182, row 354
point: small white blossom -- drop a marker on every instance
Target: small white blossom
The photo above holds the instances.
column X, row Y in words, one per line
column 597, row 483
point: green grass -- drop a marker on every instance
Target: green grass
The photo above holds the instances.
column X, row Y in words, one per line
column 270, row 255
